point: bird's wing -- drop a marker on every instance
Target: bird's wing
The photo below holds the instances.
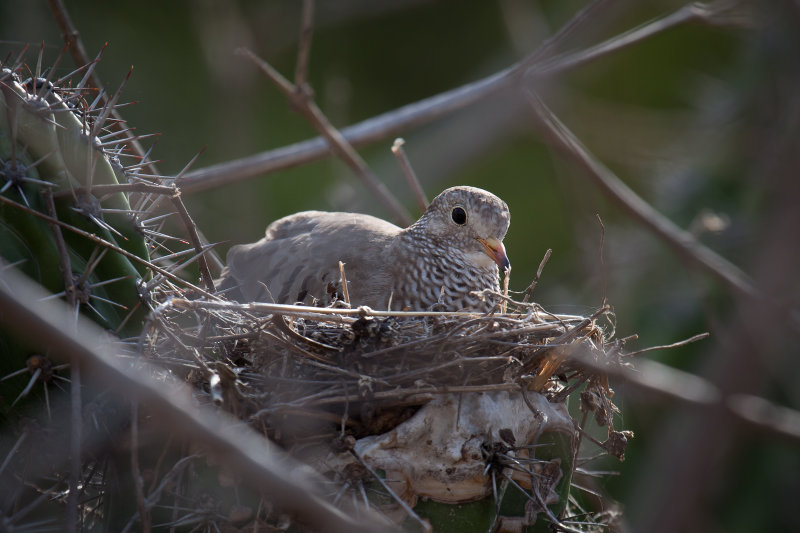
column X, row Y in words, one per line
column 299, row 256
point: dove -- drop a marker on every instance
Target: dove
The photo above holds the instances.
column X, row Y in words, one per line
column 454, row 249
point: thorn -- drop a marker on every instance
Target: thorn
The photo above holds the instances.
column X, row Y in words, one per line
column 115, row 133
column 29, row 386
column 190, row 163
column 110, row 302
column 14, row 374
column 102, row 223
column 109, row 106
column 93, row 308
column 46, row 86
column 94, row 259
column 91, row 66
column 38, row 66
column 106, row 282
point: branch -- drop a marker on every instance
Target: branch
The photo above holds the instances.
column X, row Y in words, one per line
column 393, row 123
column 289, row 484
column 300, row 97
column 681, row 241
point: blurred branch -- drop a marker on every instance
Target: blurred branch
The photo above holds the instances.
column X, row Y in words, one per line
column 683, row 242
column 659, row 380
column 690, row 12
column 287, row 483
column 301, row 97
column 416, row 114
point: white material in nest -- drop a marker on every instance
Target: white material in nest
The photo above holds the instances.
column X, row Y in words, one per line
column 436, row 453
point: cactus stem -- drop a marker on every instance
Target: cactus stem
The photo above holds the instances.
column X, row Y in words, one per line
column 104, row 243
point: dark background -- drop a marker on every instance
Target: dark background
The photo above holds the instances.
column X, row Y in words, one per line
column 700, row 120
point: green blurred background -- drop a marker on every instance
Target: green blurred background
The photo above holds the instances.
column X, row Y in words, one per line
column 701, row 120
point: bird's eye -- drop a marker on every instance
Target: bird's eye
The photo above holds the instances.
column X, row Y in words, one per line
column 459, row 215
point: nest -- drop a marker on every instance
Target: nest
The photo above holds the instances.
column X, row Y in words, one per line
column 345, row 391
column 368, row 370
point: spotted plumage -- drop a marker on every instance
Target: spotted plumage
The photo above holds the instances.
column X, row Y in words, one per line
column 454, row 248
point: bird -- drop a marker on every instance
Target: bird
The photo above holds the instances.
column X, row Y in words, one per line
column 454, row 248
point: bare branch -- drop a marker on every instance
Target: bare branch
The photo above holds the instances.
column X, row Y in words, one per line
column 304, row 46
column 300, row 97
column 410, row 116
column 408, row 172
column 290, row 485
column 683, row 242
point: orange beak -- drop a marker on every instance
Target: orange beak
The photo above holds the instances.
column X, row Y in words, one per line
column 497, row 252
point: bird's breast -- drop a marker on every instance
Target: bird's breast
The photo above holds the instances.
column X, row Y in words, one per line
column 447, row 280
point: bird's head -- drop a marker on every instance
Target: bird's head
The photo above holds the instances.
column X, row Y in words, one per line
column 471, row 220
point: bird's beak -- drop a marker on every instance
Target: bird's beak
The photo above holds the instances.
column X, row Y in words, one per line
column 497, row 252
